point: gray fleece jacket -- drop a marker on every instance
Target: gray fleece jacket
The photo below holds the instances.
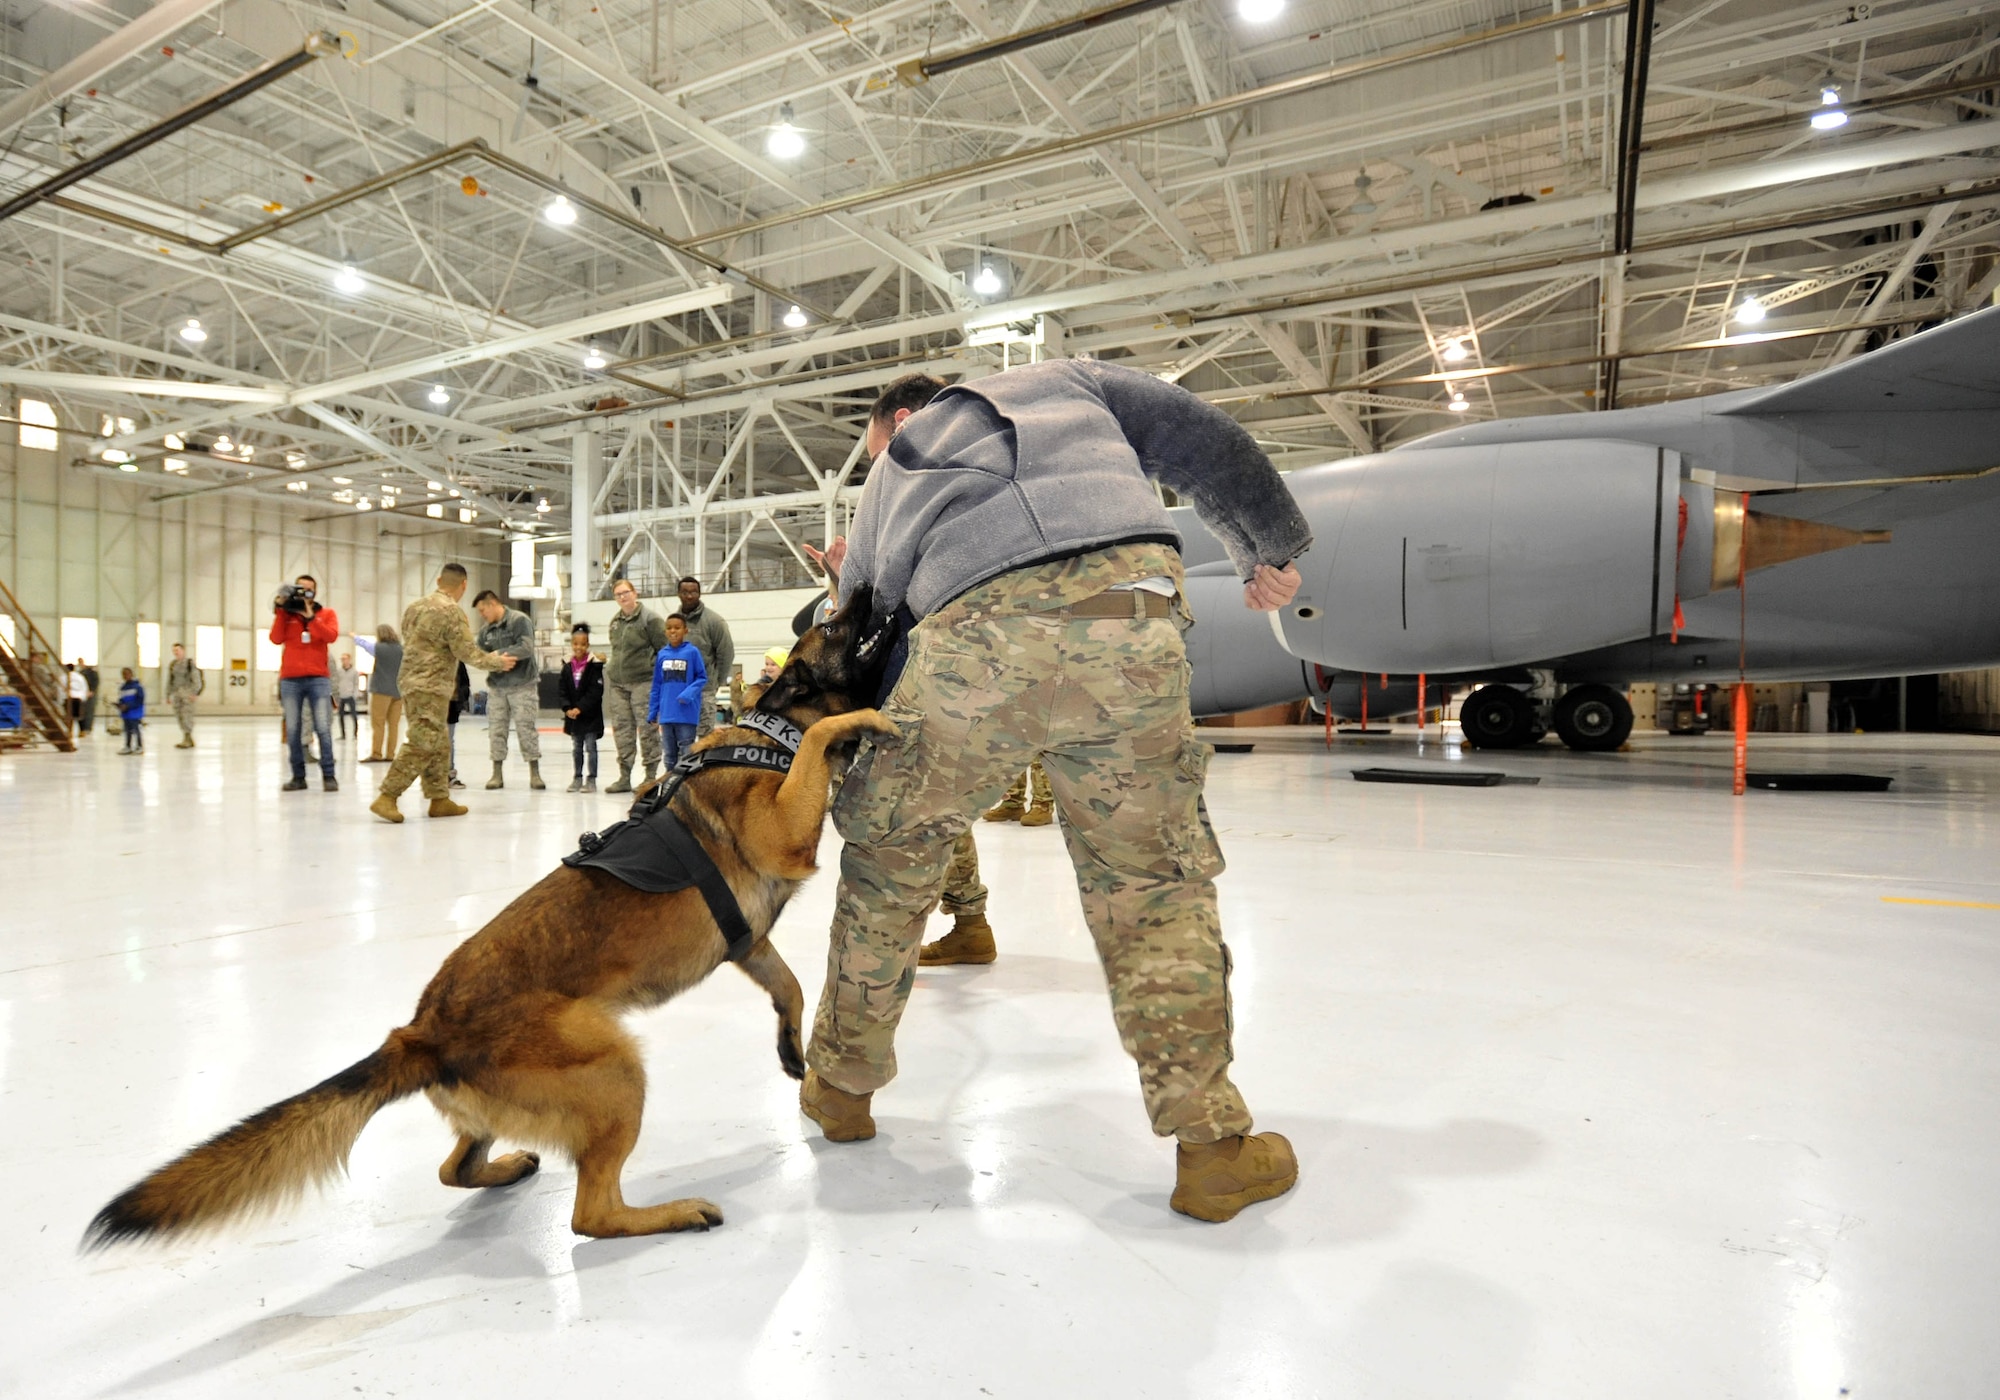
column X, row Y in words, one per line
column 513, row 635
column 1050, row 461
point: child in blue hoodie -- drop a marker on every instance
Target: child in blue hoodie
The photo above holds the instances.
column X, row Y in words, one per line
column 132, row 712
column 678, row 679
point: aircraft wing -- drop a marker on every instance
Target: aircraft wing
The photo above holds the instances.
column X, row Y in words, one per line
column 1950, row 368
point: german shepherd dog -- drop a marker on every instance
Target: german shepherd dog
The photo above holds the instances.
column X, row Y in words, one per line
column 518, row 1034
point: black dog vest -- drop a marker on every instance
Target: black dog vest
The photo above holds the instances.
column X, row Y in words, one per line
column 652, row 849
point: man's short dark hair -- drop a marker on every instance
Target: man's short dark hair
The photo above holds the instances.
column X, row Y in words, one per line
column 454, row 572
column 309, row 579
column 484, row 594
column 912, row 391
column 689, row 579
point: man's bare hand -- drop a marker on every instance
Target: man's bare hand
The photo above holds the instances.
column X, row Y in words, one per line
column 507, row 663
column 1269, row 589
column 831, row 558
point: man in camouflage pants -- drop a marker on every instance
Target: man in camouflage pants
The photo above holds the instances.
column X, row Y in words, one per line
column 436, row 637
column 1075, row 658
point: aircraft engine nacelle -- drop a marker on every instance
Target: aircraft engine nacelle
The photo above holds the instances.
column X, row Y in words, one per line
column 1468, row 558
column 1238, row 664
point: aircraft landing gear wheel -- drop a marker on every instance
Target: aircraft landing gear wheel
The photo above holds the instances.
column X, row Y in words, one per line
column 1593, row 719
column 1497, row 717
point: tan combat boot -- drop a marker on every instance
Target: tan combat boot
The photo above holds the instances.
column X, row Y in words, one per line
column 1214, row 1180
column 445, row 807
column 970, row 941
column 842, row 1116
column 1039, row 814
column 1008, row 809
column 385, row 808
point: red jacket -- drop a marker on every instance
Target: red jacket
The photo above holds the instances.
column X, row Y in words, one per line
column 305, row 643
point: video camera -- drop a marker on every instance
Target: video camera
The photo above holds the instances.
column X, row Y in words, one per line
column 293, row 598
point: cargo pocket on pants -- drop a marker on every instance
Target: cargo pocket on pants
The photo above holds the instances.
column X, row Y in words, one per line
column 872, row 795
column 1187, row 835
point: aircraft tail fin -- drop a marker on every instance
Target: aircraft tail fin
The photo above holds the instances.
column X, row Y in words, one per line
column 1952, row 367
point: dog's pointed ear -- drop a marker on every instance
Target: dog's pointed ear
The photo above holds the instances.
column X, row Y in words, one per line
column 794, row 684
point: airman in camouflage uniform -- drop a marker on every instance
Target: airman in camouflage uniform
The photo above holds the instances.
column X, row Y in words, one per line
column 436, row 637
column 1028, row 800
column 964, row 898
column 1011, row 519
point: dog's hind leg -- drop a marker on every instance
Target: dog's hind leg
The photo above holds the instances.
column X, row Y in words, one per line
column 598, row 1103
column 768, row 969
column 468, row 1166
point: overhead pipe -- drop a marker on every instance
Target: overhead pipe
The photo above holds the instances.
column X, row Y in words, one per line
column 1200, row 111
column 316, row 46
column 918, row 71
column 1631, row 122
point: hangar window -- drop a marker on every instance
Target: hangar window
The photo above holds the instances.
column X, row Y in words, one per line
column 79, row 640
column 208, row 648
column 35, row 412
column 149, row 644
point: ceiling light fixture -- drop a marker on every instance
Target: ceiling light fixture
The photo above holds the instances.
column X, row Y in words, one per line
column 593, row 358
column 1362, row 203
column 1830, row 116
column 192, row 332
column 439, row 395
column 465, row 515
column 559, row 211
column 542, row 507
column 987, row 283
column 343, row 481
column 177, row 465
column 349, row 281
column 1454, row 351
column 1458, row 403
column 1260, row 11
column 785, row 141
column 1750, row 312
column 435, row 512
column 128, row 466
column 795, row 319
column 117, row 455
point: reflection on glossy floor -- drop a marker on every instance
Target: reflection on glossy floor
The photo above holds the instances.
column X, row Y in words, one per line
column 1606, row 1086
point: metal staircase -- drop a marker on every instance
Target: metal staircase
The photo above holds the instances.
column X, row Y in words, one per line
column 44, row 716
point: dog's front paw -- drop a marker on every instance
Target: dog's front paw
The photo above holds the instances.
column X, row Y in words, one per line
column 872, row 720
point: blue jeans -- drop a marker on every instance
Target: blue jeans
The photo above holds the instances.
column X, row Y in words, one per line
column 295, row 693
column 675, row 740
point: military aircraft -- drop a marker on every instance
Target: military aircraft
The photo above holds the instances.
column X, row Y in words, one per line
column 1844, row 525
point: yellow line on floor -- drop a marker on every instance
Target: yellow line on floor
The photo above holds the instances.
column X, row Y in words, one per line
column 1940, row 903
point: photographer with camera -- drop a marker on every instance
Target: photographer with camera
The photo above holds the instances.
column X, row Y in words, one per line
column 305, row 630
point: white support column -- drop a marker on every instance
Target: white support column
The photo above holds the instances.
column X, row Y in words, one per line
column 586, row 463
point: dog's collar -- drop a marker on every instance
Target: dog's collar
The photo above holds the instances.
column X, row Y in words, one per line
column 775, row 727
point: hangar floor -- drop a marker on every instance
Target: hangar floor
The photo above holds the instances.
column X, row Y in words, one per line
column 1609, row 1085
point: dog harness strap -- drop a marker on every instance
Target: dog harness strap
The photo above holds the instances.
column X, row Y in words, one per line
column 715, row 891
column 774, row 727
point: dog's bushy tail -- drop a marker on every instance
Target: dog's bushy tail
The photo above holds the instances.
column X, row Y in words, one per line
column 269, row 1159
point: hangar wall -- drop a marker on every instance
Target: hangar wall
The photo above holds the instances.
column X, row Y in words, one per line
column 77, row 544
